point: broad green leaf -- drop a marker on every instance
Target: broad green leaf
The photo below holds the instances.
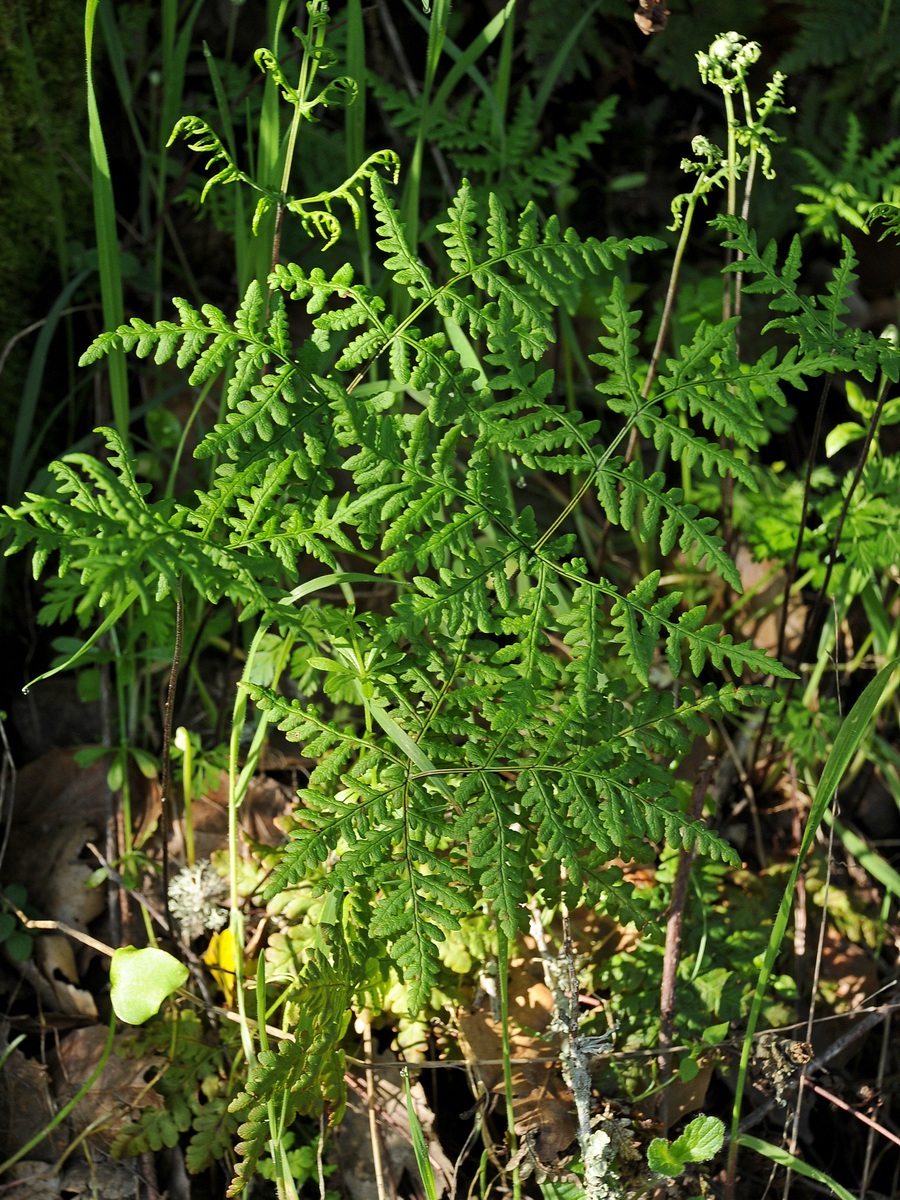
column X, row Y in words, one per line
column 842, row 435
column 702, row 1138
column 20, row 945
column 141, row 980
column 663, row 1158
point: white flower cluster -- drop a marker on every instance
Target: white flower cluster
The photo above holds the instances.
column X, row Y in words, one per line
column 197, row 895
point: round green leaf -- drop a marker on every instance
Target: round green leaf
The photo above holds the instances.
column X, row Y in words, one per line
column 141, row 980
column 20, row 945
column 663, row 1158
column 700, row 1141
column 15, row 894
column 702, row 1138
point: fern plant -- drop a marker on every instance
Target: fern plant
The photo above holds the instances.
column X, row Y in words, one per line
column 854, row 190
column 495, row 728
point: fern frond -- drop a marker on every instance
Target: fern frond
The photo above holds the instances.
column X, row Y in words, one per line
column 824, row 343
column 662, row 514
column 304, row 1075
column 642, row 620
column 207, row 141
column 405, row 266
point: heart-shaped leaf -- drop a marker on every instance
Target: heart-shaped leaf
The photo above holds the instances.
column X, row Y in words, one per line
column 141, row 980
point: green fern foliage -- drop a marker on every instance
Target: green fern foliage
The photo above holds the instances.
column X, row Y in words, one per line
column 490, row 727
column 850, row 192
column 841, row 31
column 823, row 342
column 304, row 1076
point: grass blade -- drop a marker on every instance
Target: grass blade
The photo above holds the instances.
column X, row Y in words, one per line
column 107, row 239
column 847, row 742
column 423, row 1162
column 785, row 1159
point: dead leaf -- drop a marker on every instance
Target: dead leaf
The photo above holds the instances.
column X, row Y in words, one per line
column 687, row 1097
column 42, row 1183
column 26, row 1108
column 543, row 1109
column 124, row 1085
column 848, row 972
column 762, row 586
column 59, row 807
column 55, row 958
column 267, row 800
column 112, row 1179
column 652, row 17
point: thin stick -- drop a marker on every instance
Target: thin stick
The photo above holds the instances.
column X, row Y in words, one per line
column 672, row 954
column 834, row 1050
column 879, row 1084
column 372, row 1113
column 830, row 1096
column 61, row 927
column 166, row 782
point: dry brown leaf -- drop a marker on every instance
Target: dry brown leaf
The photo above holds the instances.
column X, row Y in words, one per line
column 849, row 971
column 123, row 1087
column 42, row 1183
column 687, row 1097
column 59, row 807
column 110, row 1179
column 543, row 1109
column 55, row 959
column 26, row 1108
column 764, row 582
column 266, row 801
column 652, row 16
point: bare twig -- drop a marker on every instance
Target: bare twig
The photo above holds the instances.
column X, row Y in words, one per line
column 830, row 1096
column 872, row 1018
column 672, row 954
column 879, row 1084
column 371, row 1111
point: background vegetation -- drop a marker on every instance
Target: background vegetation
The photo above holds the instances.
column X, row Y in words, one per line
column 283, row 524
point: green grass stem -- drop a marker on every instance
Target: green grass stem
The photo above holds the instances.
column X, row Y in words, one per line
column 784, row 1158
column 25, row 445
column 107, row 237
column 848, row 740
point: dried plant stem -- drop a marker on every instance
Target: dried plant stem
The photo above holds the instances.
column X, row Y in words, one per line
column 372, row 1111
column 672, row 954
column 873, row 1125
column 166, row 782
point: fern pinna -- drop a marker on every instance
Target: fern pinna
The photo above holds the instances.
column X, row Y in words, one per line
column 496, row 728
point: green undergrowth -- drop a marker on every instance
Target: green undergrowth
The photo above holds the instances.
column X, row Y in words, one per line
column 496, row 615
